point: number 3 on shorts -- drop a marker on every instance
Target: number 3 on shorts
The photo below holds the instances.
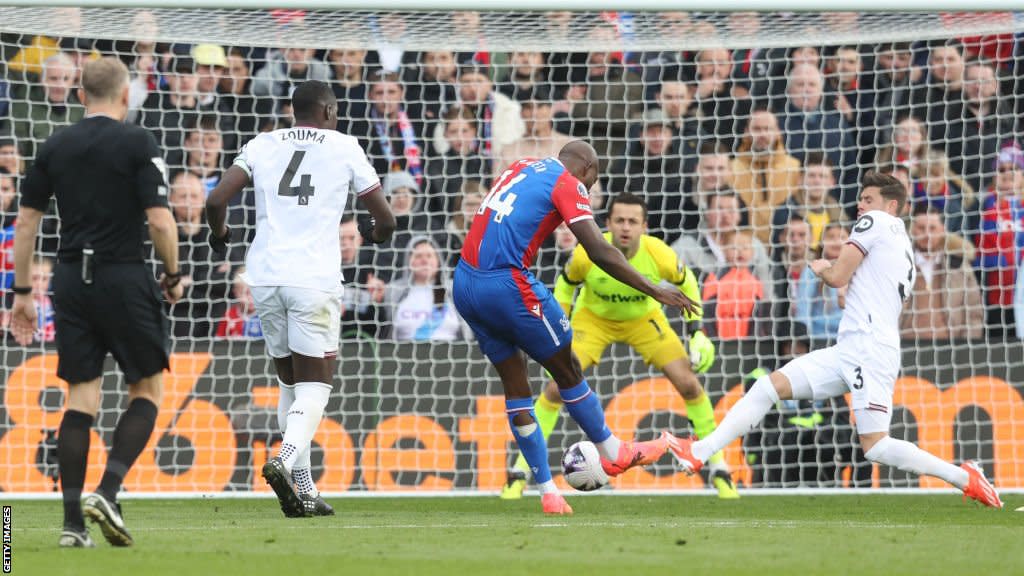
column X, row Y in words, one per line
column 859, row 382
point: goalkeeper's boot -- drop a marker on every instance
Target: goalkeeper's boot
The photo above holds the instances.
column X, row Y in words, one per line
column 636, row 454
column 75, row 538
column 681, row 450
column 721, row 479
column 978, row 487
column 315, row 505
column 107, row 514
column 281, row 481
column 554, row 503
column 515, row 483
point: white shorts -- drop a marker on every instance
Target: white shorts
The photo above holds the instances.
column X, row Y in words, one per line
column 300, row 320
column 858, row 364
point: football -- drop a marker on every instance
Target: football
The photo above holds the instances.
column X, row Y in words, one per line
column 581, row 465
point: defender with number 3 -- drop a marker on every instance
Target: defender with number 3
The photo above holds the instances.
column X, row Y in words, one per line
column 302, row 177
column 876, row 268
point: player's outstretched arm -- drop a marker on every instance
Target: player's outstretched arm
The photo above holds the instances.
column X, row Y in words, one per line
column 838, row 274
column 383, row 220
column 611, row 260
column 234, row 180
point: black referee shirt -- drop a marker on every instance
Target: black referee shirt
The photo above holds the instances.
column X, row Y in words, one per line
column 104, row 174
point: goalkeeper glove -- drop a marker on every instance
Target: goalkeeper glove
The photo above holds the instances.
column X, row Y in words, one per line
column 701, row 351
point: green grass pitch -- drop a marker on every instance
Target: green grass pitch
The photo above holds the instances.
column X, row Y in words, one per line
column 622, row 535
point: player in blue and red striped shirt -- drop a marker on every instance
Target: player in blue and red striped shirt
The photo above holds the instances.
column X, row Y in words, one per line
column 510, row 311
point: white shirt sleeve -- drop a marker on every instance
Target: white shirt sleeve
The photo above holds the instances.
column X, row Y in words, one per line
column 364, row 177
column 244, row 160
column 867, row 232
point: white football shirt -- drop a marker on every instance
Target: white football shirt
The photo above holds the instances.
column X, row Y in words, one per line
column 301, row 177
column 883, row 281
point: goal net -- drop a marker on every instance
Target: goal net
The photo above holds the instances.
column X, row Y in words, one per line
column 746, row 133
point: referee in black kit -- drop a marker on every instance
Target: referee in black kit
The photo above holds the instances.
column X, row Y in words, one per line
column 108, row 178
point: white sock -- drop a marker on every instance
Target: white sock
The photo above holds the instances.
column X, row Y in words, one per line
column 746, row 414
column 303, row 419
column 909, row 458
column 285, row 397
column 609, row 449
column 302, row 474
column 547, row 487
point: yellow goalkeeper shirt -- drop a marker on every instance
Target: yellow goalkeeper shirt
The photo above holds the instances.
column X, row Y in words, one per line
column 612, row 300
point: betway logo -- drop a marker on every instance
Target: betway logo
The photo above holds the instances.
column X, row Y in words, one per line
column 621, row 298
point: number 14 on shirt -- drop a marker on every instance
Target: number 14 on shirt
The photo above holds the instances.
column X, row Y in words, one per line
column 499, row 199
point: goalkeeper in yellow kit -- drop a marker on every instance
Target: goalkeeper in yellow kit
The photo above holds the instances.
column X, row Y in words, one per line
column 608, row 311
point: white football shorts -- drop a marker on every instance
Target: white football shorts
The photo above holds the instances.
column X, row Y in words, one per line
column 858, row 364
column 301, row 320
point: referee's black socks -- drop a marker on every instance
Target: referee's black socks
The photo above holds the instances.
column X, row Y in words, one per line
column 130, row 438
column 73, row 456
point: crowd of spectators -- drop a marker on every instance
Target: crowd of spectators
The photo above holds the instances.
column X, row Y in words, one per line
column 749, row 160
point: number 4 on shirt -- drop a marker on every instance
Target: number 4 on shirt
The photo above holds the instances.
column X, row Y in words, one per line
column 305, row 188
column 499, row 199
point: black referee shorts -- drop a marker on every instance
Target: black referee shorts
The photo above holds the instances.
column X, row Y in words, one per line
column 121, row 312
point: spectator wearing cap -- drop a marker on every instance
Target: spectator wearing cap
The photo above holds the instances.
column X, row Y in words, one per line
column 211, row 66
column 540, row 140
column 809, row 124
column 1000, row 240
column 945, row 303
column 526, row 79
column 764, row 174
column 167, row 113
column 287, row 68
column 600, row 106
column 49, row 106
column 211, row 62
column 407, row 204
column 975, row 128
column 498, row 119
column 27, row 64
column 654, row 172
column 462, row 160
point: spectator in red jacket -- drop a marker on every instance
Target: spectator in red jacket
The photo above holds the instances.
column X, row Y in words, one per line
column 1001, row 239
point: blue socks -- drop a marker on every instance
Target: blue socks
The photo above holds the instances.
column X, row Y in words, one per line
column 530, row 439
column 585, row 408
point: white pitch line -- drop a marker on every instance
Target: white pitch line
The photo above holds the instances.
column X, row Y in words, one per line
column 584, row 524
